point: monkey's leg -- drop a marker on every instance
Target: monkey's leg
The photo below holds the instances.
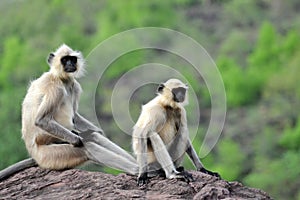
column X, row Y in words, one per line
column 59, row 156
column 161, row 154
column 142, row 161
column 5, row 173
column 177, row 152
column 163, row 157
column 106, row 143
column 177, row 149
column 83, row 124
column 102, row 155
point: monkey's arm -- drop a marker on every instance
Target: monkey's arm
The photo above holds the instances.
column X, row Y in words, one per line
column 45, row 118
column 17, row 167
column 194, row 157
column 190, row 149
column 83, row 124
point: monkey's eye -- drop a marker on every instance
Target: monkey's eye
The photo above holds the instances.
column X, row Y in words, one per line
column 65, row 59
column 73, row 59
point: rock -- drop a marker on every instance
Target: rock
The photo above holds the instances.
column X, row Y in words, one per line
column 37, row 183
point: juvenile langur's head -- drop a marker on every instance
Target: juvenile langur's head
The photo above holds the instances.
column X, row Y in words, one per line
column 66, row 63
column 173, row 91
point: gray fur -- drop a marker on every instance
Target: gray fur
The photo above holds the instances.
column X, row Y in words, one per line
column 55, row 134
column 161, row 137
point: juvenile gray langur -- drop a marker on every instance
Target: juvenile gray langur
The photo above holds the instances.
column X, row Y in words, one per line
column 160, row 136
column 55, row 134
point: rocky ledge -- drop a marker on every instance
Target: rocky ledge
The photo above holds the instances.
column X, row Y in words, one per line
column 37, row 183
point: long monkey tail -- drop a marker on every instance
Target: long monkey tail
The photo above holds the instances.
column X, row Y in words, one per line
column 5, row 173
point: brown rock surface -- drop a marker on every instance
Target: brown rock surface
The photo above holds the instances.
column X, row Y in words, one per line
column 37, row 183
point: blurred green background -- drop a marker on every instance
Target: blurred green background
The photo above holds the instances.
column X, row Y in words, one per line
column 255, row 44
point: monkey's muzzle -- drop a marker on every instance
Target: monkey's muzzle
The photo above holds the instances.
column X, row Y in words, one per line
column 179, row 94
column 69, row 68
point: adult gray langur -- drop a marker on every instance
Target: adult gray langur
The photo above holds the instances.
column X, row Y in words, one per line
column 55, row 134
column 160, row 136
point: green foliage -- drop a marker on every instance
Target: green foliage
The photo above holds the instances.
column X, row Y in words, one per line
column 13, row 49
column 265, row 59
column 291, row 137
column 244, row 85
column 111, row 170
column 290, row 45
column 230, row 159
column 243, row 13
column 12, row 148
column 122, row 15
column 285, row 82
column 265, row 53
column 232, row 48
column 240, row 87
column 279, row 176
column 282, row 94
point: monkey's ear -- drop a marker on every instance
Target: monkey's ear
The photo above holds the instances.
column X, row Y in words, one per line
column 160, row 88
column 50, row 58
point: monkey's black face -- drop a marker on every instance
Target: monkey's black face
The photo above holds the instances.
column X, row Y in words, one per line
column 179, row 94
column 69, row 63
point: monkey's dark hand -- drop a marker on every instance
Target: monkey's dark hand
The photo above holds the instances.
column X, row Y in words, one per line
column 142, row 179
column 180, row 169
column 78, row 142
column 75, row 132
column 205, row 171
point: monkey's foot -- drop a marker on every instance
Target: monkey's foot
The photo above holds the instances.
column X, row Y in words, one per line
column 205, row 171
column 184, row 176
column 161, row 172
column 142, row 179
column 180, row 169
